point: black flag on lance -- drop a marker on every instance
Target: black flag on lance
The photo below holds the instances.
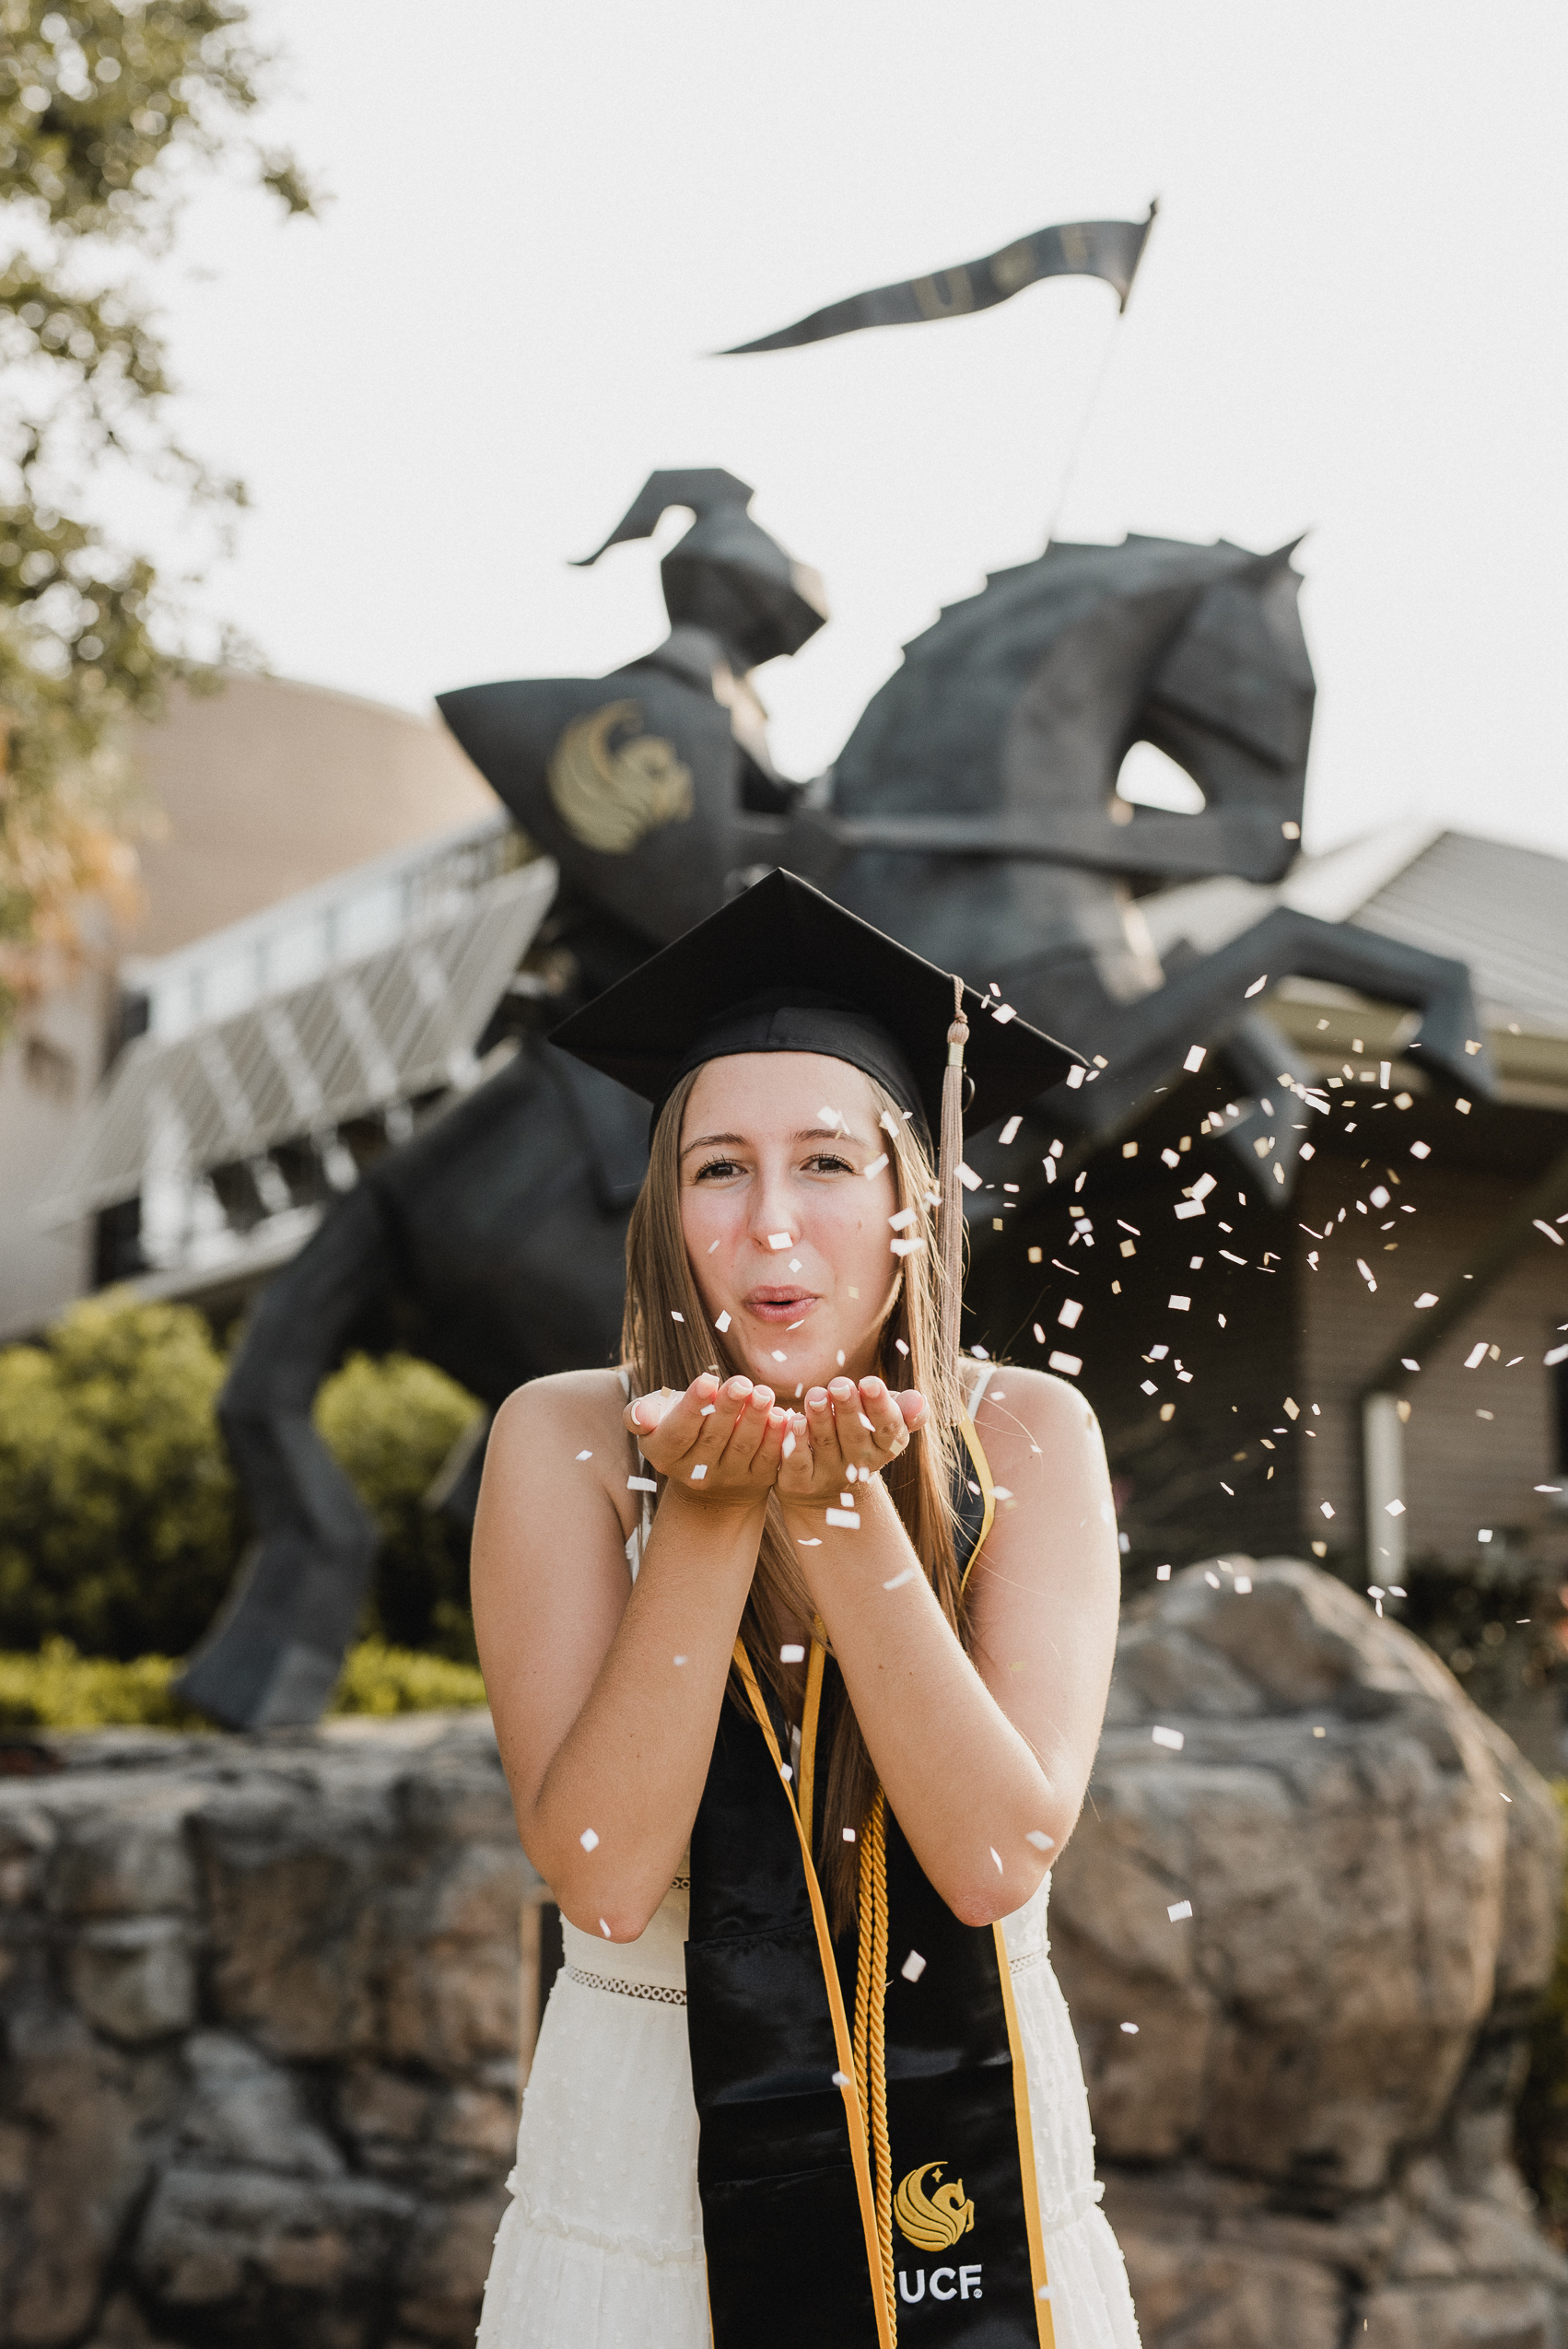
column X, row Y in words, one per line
column 1107, row 249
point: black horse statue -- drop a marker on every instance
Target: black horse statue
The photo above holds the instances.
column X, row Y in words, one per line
column 974, row 815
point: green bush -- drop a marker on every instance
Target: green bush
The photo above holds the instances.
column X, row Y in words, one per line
column 121, row 1524
column 118, row 1518
column 392, row 1423
column 57, row 1688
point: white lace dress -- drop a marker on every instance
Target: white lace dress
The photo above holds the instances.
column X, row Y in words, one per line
column 601, row 2247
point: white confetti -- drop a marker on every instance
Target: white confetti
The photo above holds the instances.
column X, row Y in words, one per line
column 1180, row 1304
column 841, row 2079
column 812, row 1541
column 1131, row 2028
column 1185, row 1209
column 1203, row 1185
column 876, row 1167
column 1178, row 1909
column 788, row 1446
column 899, row 1580
column 723, row 1324
column 1004, row 1012
column 680, row 1317
column 1256, row 989
column 1476, row 1355
column 1555, row 1237
column 850, row 1520
column 905, row 1248
column 968, row 1177
column 1244, row 1583
column 780, row 1240
column 1555, row 1355
column 589, row 1840
column 1195, row 1058
column 1010, row 1131
column 791, row 1653
column 605, row 1930
column 778, row 1357
column 1072, row 1313
column 1365, row 1271
column 901, row 1222
column 1040, row 1840
column 699, row 1472
column 1326, row 1507
column 913, row 1966
column 714, row 1244
column 1148, row 1386
column 1161, row 1574
column 1420, row 1149
column 683, row 1659
column 785, row 1772
column 848, row 1835
column 1174, row 1739
column 1069, row 1365
column 996, row 1857
column 1075, row 1076
column 585, row 1455
column 1427, row 1297
column 642, row 1484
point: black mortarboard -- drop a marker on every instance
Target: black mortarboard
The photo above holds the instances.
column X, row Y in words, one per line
column 781, row 968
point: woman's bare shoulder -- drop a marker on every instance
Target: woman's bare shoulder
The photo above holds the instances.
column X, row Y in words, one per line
column 589, row 1401
column 1034, row 1406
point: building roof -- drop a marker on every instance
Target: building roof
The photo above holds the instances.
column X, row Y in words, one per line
column 1501, row 909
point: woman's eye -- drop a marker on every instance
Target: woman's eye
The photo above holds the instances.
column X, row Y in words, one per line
column 720, row 1167
column 825, row 1163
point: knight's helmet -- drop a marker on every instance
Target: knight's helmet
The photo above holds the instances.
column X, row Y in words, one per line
column 725, row 574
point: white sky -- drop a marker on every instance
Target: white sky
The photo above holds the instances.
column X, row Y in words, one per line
column 1350, row 319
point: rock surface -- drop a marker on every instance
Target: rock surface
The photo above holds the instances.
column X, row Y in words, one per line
column 1310, row 2125
column 260, row 2004
column 259, row 2001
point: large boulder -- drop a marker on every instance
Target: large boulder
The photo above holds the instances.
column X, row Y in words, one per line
column 1303, row 2079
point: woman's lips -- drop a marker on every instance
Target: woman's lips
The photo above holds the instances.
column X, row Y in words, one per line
column 775, row 1305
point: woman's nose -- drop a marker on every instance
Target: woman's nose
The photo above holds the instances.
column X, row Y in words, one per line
column 775, row 1211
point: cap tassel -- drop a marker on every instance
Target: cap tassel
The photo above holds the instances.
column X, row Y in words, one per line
column 950, row 1158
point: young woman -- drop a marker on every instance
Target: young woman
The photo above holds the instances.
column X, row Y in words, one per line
column 797, row 1632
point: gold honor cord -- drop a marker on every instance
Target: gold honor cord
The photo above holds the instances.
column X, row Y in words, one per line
column 808, row 1726
column 854, row 2110
column 870, row 2004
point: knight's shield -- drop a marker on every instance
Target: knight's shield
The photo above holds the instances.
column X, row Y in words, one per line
column 631, row 782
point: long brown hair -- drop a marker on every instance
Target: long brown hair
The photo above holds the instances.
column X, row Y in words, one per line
column 667, row 1340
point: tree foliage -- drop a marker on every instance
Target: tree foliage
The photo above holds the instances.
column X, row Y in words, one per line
column 121, row 1525
column 104, row 105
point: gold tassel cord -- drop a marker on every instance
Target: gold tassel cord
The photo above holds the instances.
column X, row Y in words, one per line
column 871, row 2054
column 950, row 1158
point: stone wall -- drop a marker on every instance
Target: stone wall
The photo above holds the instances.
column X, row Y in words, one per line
column 1305, row 2138
column 261, row 2011
column 261, row 2002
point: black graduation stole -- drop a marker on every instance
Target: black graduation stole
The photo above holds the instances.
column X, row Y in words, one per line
column 865, row 2160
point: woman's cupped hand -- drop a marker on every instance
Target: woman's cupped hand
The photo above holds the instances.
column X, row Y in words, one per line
column 730, row 1442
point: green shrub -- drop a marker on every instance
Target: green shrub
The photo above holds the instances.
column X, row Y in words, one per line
column 57, row 1688
column 121, row 1524
column 118, row 1518
column 392, row 1423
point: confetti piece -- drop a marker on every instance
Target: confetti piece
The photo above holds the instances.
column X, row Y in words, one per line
column 1472, row 1045
column 876, row 1167
column 1195, row 1058
column 1040, row 1840
column 778, row 1357
column 1149, row 1386
column 1213, row 1580
column 848, row 1835
column 1379, row 1195
column 906, row 1247
column 1243, row 1584
column 1394, row 1508
column 680, row 1317
column 1365, row 1273
column 968, row 1177
column 813, row 1541
column 1180, row 1304
column 788, row 1446
column 711, row 1248
column 683, row 1659
column 1131, row 2028
column 1257, row 986
column 1417, row 1150
column 889, row 1123
column 1075, row 1076
column 841, row 2079
column 1555, row 1237
column 1476, row 1355
column 902, row 1220
column 1041, row 1337
column 1178, row 1909
column 1326, row 1507
column 792, row 1653
column 1485, row 1534
column 1161, row 1574
column 899, row 1580
column 1557, row 1354
column 850, row 1520
column 1174, row 1738
column 781, row 1239
column 642, row 1484
column 1069, row 1365
column 589, row 1840
column 723, row 1324
column 605, row 1930
column 1186, row 1208
column 1004, row 1012
column 1072, row 1313
column 785, row 1772
column 913, row 1966
column 996, row 1857
column 1427, row 1297
column 585, row 1455
column 699, row 1472
column 1010, row 1131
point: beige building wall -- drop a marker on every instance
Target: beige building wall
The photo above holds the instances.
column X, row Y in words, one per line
column 270, row 787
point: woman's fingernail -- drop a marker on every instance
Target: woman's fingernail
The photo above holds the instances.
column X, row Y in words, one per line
column 817, row 1399
column 873, row 1387
column 762, row 1397
column 739, row 1388
column 841, row 1390
column 777, row 1418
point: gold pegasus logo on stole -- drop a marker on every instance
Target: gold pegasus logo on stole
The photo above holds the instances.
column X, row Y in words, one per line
column 933, row 2222
column 608, row 798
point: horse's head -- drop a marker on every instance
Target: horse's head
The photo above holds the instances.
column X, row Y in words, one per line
column 1026, row 698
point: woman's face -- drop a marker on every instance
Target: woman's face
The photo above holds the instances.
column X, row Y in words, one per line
column 785, row 1232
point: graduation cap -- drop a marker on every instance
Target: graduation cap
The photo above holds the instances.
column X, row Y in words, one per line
column 781, row 968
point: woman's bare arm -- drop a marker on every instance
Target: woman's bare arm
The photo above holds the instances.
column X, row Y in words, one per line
column 606, row 1698
column 984, row 1763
